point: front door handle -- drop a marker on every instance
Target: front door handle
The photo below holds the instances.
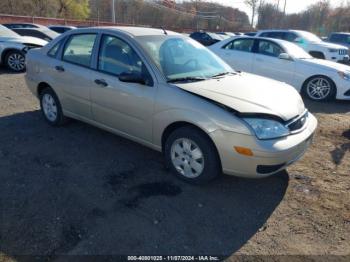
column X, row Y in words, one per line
column 259, row 60
column 101, row 82
column 59, row 68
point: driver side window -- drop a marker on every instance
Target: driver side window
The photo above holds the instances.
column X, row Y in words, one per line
column 269, row 48
column 116, row 57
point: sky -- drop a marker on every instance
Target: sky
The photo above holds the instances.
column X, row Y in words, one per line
column 293, row 6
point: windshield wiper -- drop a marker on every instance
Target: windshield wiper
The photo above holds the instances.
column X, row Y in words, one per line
column 186, row 79
column 223, row 74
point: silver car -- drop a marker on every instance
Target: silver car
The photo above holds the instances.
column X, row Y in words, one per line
column 13, row 48
column 168, row 92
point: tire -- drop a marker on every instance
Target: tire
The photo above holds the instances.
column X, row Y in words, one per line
column 192, row 156
column 317, row 55
column 319, row 88
column 51, row 107
column 15, row 61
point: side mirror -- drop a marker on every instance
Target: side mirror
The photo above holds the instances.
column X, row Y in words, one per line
column 132, row 78
column 284, row 56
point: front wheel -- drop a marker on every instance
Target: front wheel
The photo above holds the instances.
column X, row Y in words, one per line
column 319, row 88
column 192, row 156
column 15, row 61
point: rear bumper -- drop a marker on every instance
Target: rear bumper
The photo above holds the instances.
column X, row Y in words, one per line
column 269, row 156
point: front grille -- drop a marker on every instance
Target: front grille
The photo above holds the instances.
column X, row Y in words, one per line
column 343, row 52
column 297, row 124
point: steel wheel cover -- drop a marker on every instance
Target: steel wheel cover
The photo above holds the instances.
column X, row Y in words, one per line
column 187, row 158
column 49, row 107
column 16, row 62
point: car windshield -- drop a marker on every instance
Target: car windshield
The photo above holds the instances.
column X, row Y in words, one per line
column 296, row 51
column 183, row 58
column 5, row 32
column 310, row 37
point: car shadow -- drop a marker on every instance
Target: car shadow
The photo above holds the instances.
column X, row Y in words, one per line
column 4, row 70
column 78, row 190
column 340, row 151
column 331, row 107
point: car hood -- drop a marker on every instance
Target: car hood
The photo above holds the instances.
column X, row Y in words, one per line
column 24, row 40
column 247, row 93
column 330, row 45
column 326, row 64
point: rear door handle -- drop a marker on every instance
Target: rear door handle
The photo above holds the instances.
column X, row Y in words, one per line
column 59, row 68
column 259, row 60
column 101, row 82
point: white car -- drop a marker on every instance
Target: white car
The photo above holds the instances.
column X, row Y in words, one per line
column 13, row 48
column 311, row 43
column 284, row 61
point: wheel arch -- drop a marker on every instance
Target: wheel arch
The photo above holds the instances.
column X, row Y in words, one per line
column 41, row 87
column 180, row 124
column 320, row 53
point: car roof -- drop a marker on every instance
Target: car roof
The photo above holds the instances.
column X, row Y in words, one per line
column 342, row 33
column 281, row 30
column 278, row 41
column 24, row 24
column 133, row 31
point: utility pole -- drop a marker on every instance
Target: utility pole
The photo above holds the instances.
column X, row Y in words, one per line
column 113, row 12
column 284, row 8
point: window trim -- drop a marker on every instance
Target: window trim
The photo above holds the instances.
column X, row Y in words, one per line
column 92, row 51
column 97, row 57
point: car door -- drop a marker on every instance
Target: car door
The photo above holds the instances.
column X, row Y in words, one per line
column 72, row 75
column 239, row 54
column 123, row 106
column 267, row 62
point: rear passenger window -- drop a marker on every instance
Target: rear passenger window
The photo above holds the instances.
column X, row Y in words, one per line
column 244, row 45
column 78, row 49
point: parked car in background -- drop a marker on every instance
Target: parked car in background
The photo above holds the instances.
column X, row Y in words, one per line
column 42, row 33
column 13, row 48
column 171, row 93
column 311, row 44
column 284, row 61
column 21, row 25
column 340, row 38
column 250, row 33
column 226, row 33
column 60, row 29
column 206, row 38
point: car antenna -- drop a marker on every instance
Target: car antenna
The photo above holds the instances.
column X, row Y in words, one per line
column 165, row 32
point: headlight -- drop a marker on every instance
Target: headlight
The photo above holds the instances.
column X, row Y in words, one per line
column 266, row 128
column 344, row 75
column 331, row 50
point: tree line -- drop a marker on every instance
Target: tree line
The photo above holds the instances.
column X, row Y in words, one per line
column 320, row 18
column 191, row 14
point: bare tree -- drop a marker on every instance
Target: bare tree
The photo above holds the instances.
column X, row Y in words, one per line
column 253, row 4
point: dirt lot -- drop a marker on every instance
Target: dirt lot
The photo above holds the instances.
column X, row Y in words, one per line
column 80, row 190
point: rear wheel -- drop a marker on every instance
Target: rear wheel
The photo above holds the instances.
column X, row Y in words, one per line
column 319, row 88
column 15, row 60
column 192, row 156
column 51, row 107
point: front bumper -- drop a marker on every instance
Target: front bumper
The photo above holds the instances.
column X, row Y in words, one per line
column 269, row 156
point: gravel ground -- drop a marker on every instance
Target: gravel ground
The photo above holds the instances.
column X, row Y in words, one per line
column 78, row 190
